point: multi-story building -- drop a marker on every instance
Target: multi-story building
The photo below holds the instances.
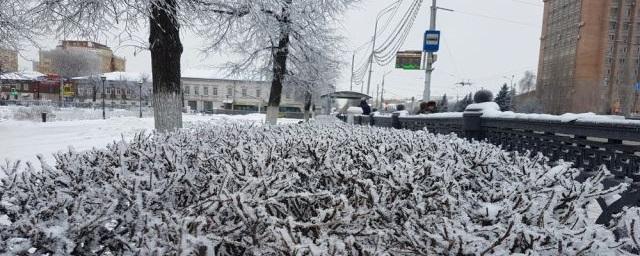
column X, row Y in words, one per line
column 204, row 94
column 120, row 88
column 8, row 61
column 108, row 62
column 590, row 56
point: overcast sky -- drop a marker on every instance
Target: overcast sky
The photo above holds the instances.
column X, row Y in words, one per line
column 483, row 41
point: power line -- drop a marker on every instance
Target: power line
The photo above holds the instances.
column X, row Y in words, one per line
column 527, row 3
column 386, row 53
column 397, row 4
column 497, row 18
column 400, row 27
column 453, row 60
column 492, row 77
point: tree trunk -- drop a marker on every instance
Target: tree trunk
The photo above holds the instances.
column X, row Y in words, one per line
column 307, row 106
column 166, row 51
column 94, row 93
column 279, row 67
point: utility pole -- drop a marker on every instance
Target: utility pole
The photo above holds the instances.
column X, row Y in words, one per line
column 426, row 95
column 104, row 79
column 384, row 77
column 1, row 82
column 373, row 54
column 60, row 98
column 382, row 96
column 140, row 97
column 353, row 60
column 378, row 96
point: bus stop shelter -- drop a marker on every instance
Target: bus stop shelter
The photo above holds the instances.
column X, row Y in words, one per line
column 341, row 100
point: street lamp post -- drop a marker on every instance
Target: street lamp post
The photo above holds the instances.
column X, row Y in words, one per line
column 383, row 79
column 104, row 79
column 140, row 97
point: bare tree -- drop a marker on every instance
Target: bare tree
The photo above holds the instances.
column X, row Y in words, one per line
column 145, row 79
column 528, row 105
column 74, row 63
column 528, row 82
column 95, row 19
column 94, row 82
column 16, row 26
column 273, row 36
column 314, row 75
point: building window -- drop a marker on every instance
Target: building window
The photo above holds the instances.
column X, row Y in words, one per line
column 196, row 90
column 206, row 91
column 258, row 93
column 244, row 92
column 215, row 91
column 187, row 90
column 229, row 91
column 118, row 91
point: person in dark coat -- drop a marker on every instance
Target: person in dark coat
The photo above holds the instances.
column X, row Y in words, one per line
column 430, row 107
column 366, row 109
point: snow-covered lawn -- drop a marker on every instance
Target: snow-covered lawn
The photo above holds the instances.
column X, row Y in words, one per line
column 83, row 129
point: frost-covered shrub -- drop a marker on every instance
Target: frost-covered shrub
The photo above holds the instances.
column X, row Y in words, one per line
column 311, row 189
column 32, row 113
column 483, row 96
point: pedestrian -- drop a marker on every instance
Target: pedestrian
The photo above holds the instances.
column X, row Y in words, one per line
column 430, row 107
column 366, row 109
column 401, row 110
column 423, row 108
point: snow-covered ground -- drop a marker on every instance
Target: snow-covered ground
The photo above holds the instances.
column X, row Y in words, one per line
column 24, row 140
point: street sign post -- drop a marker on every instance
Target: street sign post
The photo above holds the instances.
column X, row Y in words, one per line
column 431, row 41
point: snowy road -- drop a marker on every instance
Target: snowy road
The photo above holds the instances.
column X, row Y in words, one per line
column 23, row 140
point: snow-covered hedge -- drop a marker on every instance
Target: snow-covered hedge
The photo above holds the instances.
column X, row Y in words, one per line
column 312, row 189
column 33, row 113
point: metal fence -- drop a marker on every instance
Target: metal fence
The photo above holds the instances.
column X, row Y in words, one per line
column 290, row 115
column 589, row 145
column 131, row 105
column 109, row 105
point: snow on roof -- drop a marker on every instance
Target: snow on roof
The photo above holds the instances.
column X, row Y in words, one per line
column 26, row 75
column 32, row 74
column 215, row 74
column 119, row 76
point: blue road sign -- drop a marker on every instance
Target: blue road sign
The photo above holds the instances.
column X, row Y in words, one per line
column 431, row 41
column 637, row 87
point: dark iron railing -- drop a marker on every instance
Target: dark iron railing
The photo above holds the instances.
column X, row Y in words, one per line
column 589, row 145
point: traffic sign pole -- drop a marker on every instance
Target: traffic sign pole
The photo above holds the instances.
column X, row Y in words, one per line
column 426, row 95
